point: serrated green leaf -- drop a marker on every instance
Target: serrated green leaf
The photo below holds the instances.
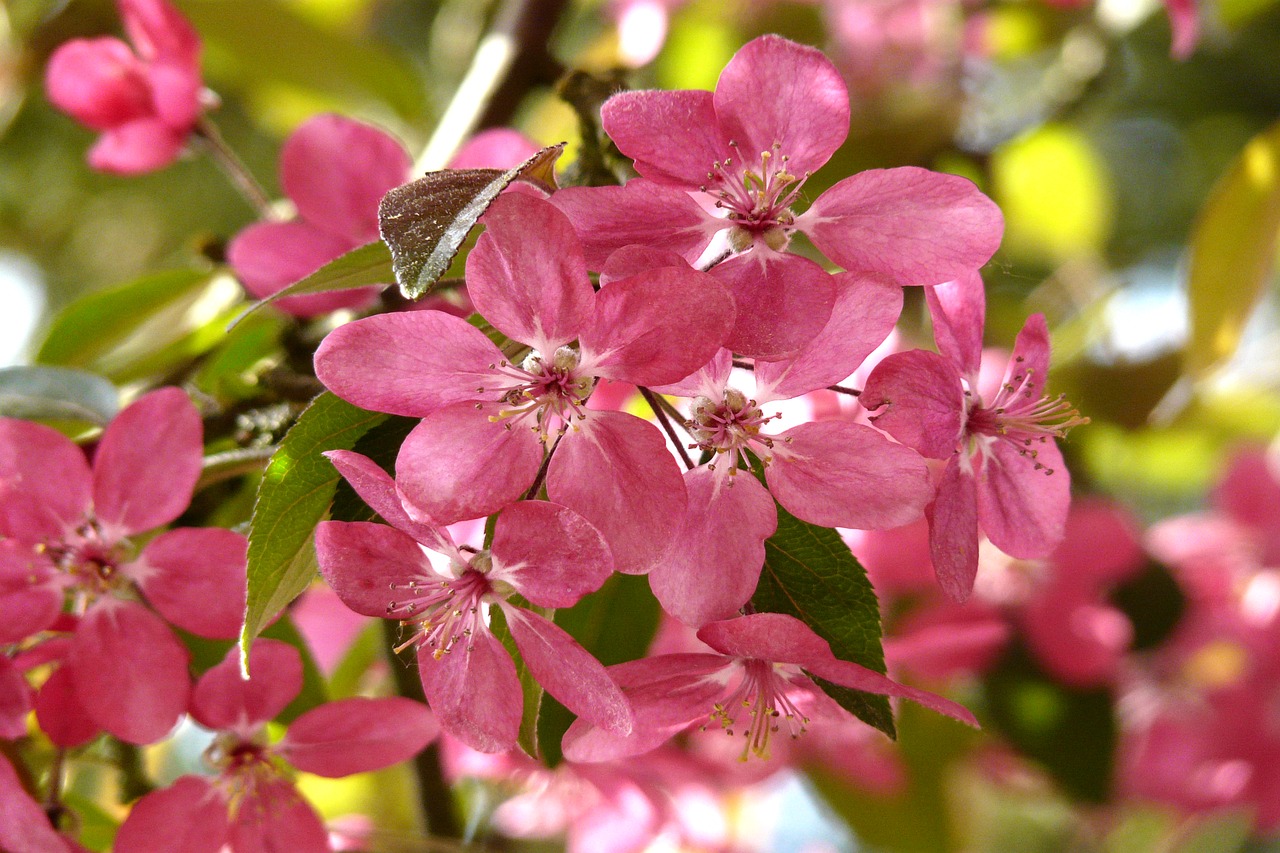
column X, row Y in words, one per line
column 810, row 573
column 1232, row 252
column 56, row 393
column 616, row 624
column 425, row 222
column 364, row 266
column 293, row 497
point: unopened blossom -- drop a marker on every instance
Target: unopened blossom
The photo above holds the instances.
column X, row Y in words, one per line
column 145, row 98
column 335, row 171
column 251, row 804
column 66, row 533
column 490, row 418
column 1004, row 472
column 542, row 551
column 755, row 685
column 721, row 173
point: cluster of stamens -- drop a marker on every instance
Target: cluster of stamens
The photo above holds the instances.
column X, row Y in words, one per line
column 1019, row 415
column 442, row 612
column 90, row 564
column 762, row 695
column 729, row 427
column 549, row 392
column 758, row 202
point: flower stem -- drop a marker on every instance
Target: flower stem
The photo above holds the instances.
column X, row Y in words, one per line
column 839, row 389
column 435, row 801
column 234, row 168
column 656, row 403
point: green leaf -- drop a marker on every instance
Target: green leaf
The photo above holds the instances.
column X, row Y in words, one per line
column 293, row 497
column 1232, row 250
column 1153, row 602
column 1070, row 731
column 425, row 222
column 530, row 689
column 364, row 266
column 810, row 573
column 616, row 624
column 56, row 393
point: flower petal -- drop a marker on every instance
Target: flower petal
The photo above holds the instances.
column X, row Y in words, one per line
column 60, row 714
column 781, row 301
column 358, row 735
column 918, row 399
column 673, row 137
column 23, row 823
column 1023, row 504
column 15, row 700
column 474, row 692
column 140, row 146
column 274, row 818
column 269, row 256
column 953, row 530
column 226, row 701
column 376, row 488
column 46, row 486
column 30, row 595
column 98, row 82
column 365, row 563
column 958, row 310
column 549, row 553
column 640, row 213
column 195, row 578
column 189, row 816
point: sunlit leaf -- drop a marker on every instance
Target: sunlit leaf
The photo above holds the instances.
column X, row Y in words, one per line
column 1232, row 252
column 56, row 393
column 425, row 222
column 363, row 266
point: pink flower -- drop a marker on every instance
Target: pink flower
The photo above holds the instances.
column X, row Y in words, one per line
column 542, row 551
column 730, row 165
column 66, row 531
column 756, row 683
column 252, row 805
column 335, row 171
column 1004, row 473
column 487, row 422
column 23, row 823
column 145, row 100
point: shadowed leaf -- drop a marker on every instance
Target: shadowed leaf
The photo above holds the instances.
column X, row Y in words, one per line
column 56, row 393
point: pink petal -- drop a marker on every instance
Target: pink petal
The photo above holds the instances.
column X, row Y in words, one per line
column 358, row 735
column 644, row 213
column 362, row 562
column 918, row 399
column 949, row 640
column 380, row 363
column 842, row 474
column 158, row 30
column 130, row 672
column 15, row 700
column 223, row 700
column 136, row 147
column 176, row 92
column 495, row 148
column 909, row 225
column 774, row 637
column 1101, row 545
column 376, row 488
column 958, row 310
column 270, row 256
column 656, row 327
column 1030, row 356
column 189, row 816
column 953, row 530
column 458, row 464
column 858, row 677
column 474, row 692
column 639, row 505
column 1184, row 19
column 1022, row 508
column 673, row 137
column 568, row 671
column 1080, row 642
column 714, row 563
column 709, row 381
column 147, row 463
column 274, row 818
column 60, row 714
column 195, row 578
column 45, row 483
column 526, row 275
column 782, row 301
column 30, row 596
column 98, row 82
column 23, row 823
column 337, row 170
column 777, row 91
column 633, row 260
column 863, row 315
column 549, row 553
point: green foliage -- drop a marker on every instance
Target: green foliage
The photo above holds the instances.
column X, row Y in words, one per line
column 810, row 573
column 363, row 266
column 56, row 393
column 1153, row 603
column 530, row 689
column 293, row 497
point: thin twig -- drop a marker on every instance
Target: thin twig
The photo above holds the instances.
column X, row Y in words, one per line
column 234, row 168
column 542, row 471
column 655, row 402
column 841, row 389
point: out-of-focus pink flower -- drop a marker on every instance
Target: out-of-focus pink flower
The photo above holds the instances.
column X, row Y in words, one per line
column 1004, row 473
column 66, row 529
column 544, row 552
column 146, row 99
column 24, row 826
column 723, row 169
column 335, row 171
column 252, row 805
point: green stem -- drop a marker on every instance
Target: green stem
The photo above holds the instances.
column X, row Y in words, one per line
column 234, row 168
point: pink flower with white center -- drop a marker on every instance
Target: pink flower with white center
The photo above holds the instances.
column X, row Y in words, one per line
column 726, row 168
column 65, row 531
column 830, row 473
column 489, row 419
column 756, row 683
column 542, row 551
column 146, row 100
column 1004, row 473
column 335, row 171
column 252, row 804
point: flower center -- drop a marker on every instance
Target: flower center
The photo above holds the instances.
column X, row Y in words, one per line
column 1019, row 415
column 758, row 199
column 730, row 427
column 89, row 563
column 443, row 611
column 547, row 394
column 762, row 694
